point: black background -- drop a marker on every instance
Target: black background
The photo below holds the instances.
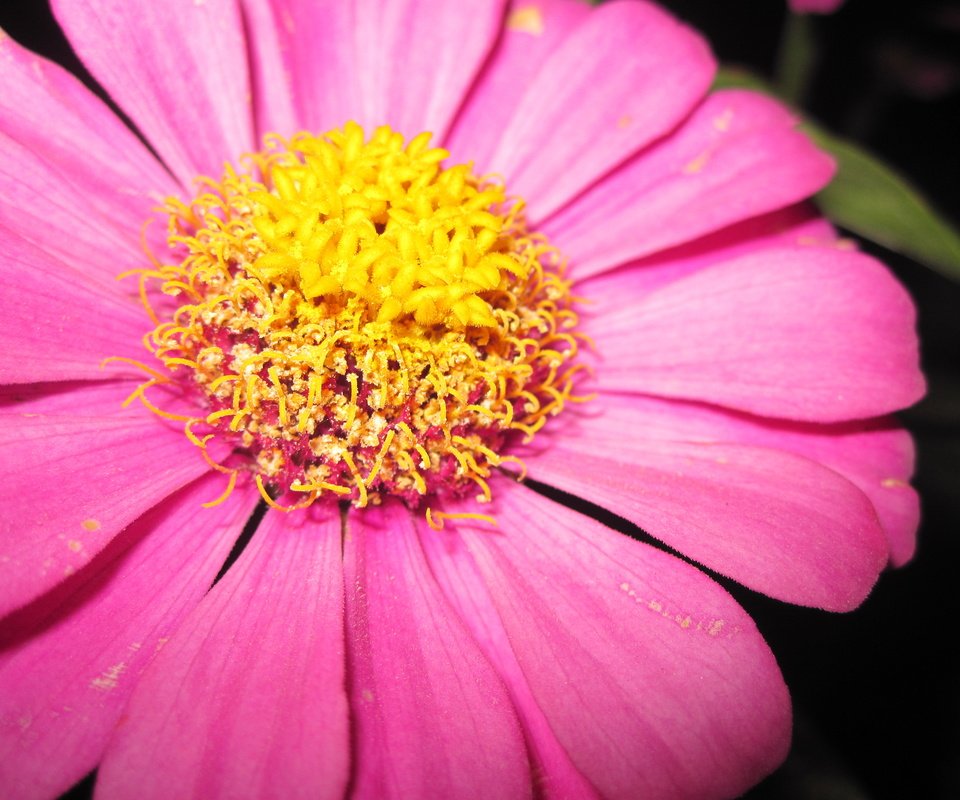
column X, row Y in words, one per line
column 876, row 692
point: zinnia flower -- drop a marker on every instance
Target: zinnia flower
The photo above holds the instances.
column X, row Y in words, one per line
column 389, row 339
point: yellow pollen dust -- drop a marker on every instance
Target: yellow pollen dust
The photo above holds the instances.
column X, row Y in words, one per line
column 359, row 321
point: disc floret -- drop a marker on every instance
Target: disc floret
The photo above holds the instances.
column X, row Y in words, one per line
column 360, row 321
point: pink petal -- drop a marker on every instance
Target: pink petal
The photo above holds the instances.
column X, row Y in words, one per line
column 654, row 680
column 71, row 659
column 736, row 157
column 815, row 6
column 318, row 41
column 778, row 523
column 875, row 455
column 803, row 333
column 797, row 225
column 99, row 398
column 406, row 63
column 454, row 569
column 431, row 717
column 95, row 398
column 247, row 699
column 42, row 207
column 532, row 31
column 81, row 188
column 74, row 481
column 181, row 76
column 624, row 78
column 58, row 324
column 269, row 69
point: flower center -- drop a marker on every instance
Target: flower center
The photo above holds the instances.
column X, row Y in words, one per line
column 358, row 321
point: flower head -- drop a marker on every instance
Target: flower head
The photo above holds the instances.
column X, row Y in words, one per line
column 388, row 270
column 361, row 323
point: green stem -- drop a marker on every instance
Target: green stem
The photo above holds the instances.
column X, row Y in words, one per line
column 796, row 59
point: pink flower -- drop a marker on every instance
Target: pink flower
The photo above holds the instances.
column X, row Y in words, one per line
column 745, row 362
column 815, row 6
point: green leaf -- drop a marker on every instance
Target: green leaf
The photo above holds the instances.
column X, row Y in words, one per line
column 873, row 201
column 739, row 78
column 869, row 198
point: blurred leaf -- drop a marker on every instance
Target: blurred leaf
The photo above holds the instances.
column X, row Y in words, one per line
column 869, row 198
column 739, row 78
column 872, row 200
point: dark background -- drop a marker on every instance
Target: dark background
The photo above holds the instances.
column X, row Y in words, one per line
column 876, row 694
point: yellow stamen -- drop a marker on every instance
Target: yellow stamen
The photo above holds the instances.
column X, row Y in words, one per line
column 361, row 319
column 231, row 483
column 188, row 430
column 361, row 486
column 387, row 441
column 321, row 486
column 161, row 378
column 435, row 519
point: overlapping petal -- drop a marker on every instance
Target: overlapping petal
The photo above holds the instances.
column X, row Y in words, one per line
column 41, row 207
column 654, row 680
column 814, row 334
column 58, row 324
column 532, row 30
column 431, row 716
column 797, row 225
column 70, row 660
column 736, row 157
column 578, row 118
column 88, row 141
column 778, row 523
column 178, row 70
column 246, row 699
column 67, row 398
column 875, row 455
column 82, row 188
column 455, row 571
column 270, row 68
column 403, row 63
column 74, row 481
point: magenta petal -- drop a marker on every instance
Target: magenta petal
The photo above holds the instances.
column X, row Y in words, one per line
column 318, row 41
column 70, row 660
column 736, row 157
column 269, row 69
column 181, row 76
column 805, row 333
column 778, row 523
column 797, row 225
column 247, row 699
column 875, row 455
column 72, row 483
column 40, row 205
column 58, row 324
column 454, row 569
column 81, row 188
column 431, row 717
column 625, row 77
column 532, row 31
column 814, row 6
column 654, row 680
column 405, row 63
column 100, row 398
